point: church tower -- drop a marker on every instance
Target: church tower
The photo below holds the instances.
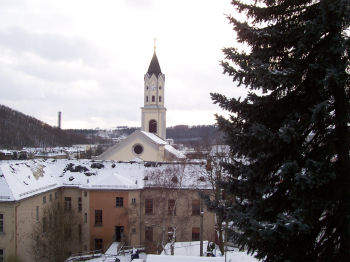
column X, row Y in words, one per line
column 153, row 112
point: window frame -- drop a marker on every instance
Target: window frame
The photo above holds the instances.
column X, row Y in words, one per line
column 149, row 234
column 67, row 204
column 196, row 207
column 149, row 206
column 80, row 204
column 2, row 220
column 119, row 202
column 171, row 207
column 98, row 217
column 196, row 233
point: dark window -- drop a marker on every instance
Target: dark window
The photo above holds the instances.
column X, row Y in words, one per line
column 79, row 233
column 149, row 233
column 160, row 87
column 119, row 202
column 79, row 204
column 85, row 218
column 98, row 243
column 44, row 225
column 171, row 207
column 195, row 233
column 133, row 230
column 133, row 201
column 85, row 194
column 44, row 199
column 170, row 233
column 1, row 223
column 67, row 203
column 149, row 206
column 160, row 98
column 138, row 149
column 67, row 232
column 37, row 213
column 153, row 98
column 1, row 255
column 98, row 217
column 146, row 98
column 196, row 208
column 152, row 126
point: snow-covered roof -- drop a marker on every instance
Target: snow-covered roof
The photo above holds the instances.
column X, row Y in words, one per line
column 22, row 179
column 174, row 152
column 155, row 138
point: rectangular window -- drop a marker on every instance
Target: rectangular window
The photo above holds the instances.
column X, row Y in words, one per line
column 79, row 204
column 67, row 203
column 44, row 199
column 85, row 218
column 153, row 98
column 160, row 99
column 171, row 207
column 149, row 206
column 44, row 225
column 119, row 202
column 149, row 233
column 37, row 213
column 133, row 230
column 196, row 209
column 147, row 99
column 55, row 195
column 85, row 194
column 98, row 217
column 1, row 223
column 133, row 201
column 2, row 255
column 98, row 243
column 79, row 233
column 195, row 233
column 50, row 197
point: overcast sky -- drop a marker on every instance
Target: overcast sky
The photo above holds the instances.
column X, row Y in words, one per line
column 88, row 58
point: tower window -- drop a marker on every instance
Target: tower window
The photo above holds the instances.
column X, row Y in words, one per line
column 160, row 98
column 146, row 87
column 146, row 98
column 160, row 88
column 153, row 98
column 152, row 126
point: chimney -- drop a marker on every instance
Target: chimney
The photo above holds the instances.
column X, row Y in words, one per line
column 59, row 120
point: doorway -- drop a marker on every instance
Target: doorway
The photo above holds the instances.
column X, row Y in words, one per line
column 119, row 231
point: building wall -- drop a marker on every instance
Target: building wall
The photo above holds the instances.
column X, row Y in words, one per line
column 112, row 216
column 7, row 237
column 184, row 221
column 158, row 114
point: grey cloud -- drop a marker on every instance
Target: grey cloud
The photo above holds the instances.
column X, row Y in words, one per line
column 50, row 46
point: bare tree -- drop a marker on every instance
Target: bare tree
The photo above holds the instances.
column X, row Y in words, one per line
column 56, row 234
column 170, row 212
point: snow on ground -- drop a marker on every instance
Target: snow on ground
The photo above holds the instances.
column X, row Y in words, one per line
column 187, row 249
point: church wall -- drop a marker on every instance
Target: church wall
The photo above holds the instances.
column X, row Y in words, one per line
column 125, row 151
column 157, row 114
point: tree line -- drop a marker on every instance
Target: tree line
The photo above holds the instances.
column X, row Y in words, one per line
column 19, row 130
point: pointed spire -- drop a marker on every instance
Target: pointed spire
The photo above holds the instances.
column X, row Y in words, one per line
column 154, row 67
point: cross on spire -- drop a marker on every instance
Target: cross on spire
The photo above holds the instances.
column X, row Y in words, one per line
column 155, row 39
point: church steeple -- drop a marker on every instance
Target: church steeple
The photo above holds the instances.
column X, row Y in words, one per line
column 154, row 67
column 154, row 112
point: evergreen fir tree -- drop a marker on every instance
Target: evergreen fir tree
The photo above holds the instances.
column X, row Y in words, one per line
column 289, row 138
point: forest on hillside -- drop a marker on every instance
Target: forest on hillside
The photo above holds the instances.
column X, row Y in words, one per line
column 19, row 130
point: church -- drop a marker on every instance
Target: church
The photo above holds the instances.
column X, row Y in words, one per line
column 149, row 143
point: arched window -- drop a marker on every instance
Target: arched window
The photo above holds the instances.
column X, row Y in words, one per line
column 146, row 98
column 152, row 126
column 160, row 87
column 153, row 98
column 160, row 98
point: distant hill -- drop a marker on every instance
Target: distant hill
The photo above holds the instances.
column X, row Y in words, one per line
column 18, row 130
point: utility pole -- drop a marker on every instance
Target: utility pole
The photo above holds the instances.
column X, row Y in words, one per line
column 201, row 231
